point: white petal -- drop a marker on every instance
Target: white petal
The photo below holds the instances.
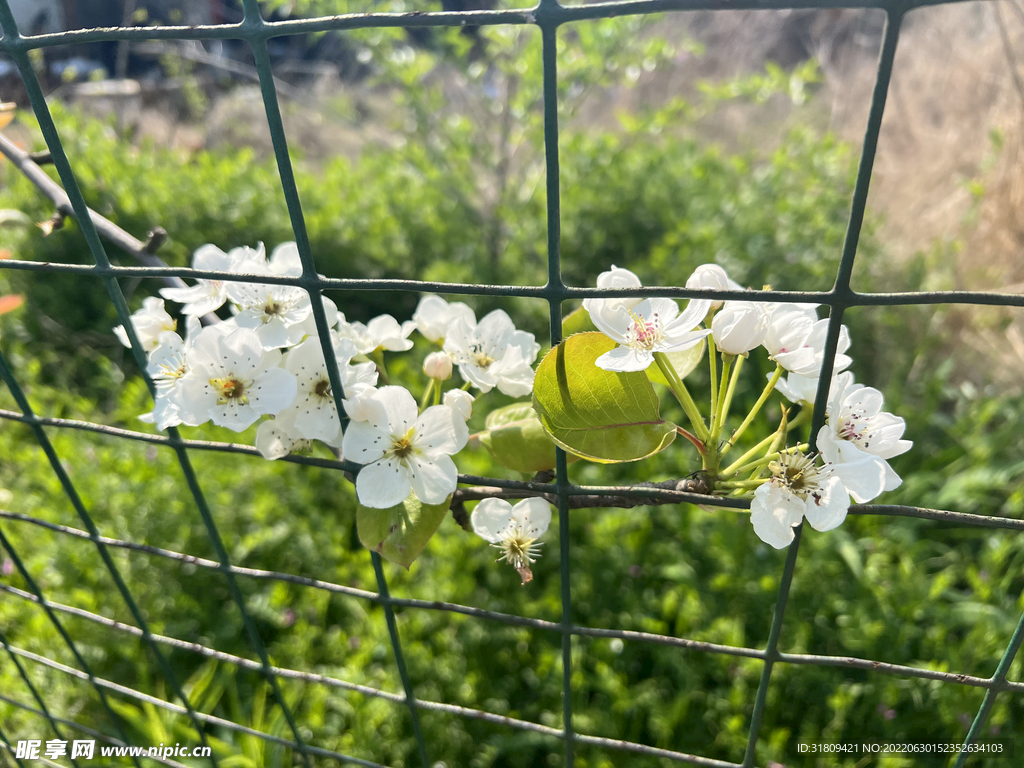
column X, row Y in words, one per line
column 433, row 481
column 400, row 406
column 826, row 509
column 892, row 480
column 272, row 442
column 773, row 513
column 210, row 257
column 460, row 401
column 383, row 484
column 533, row 516
column 272, row 391
column 864, row 479
column 436, row 433
column 693, row 315
column 365, row 443
column 241, row 352
column 624, row 359
column 491, row 518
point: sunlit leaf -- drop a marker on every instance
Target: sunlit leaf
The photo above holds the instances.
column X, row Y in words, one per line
column 401, row 532
column 600, row 415
column 516, row 439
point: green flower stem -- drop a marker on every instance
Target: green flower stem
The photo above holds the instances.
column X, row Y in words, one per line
column 466, row 386
column 722, row 413
column 682, row 395
column 713, row 362
column 754, row 411
column 437, row 391
column 770, row 458
column 743, row 484
column 801, row 418
column 733, row 468
column 725, row 403
column 382, row 371
column 426, row 395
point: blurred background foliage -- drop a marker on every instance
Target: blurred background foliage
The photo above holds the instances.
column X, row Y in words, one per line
column 452, row 189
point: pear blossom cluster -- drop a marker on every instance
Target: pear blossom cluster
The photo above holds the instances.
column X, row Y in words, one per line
column 848, row 459
column 262, row 360
column 237, row 352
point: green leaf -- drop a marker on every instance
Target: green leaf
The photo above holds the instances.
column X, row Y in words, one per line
column 577, row 321
column 401, row 532
column 516, row 439
column 600, row 415
column 684, row 362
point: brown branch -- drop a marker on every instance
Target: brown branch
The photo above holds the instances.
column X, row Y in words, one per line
column 108, row 230
column 622, row 497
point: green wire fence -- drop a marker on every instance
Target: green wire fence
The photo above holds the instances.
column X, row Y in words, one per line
column 548, row 15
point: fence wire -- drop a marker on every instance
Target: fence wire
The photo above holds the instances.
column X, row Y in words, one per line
column 548, row 15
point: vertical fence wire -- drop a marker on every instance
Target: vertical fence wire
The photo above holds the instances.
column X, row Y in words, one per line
column 1002, row 669
column 33, row 690
column 115, row 720
column 547, row 19
column 10, row 748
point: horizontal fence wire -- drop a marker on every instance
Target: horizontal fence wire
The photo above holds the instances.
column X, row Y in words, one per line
column 549, row 15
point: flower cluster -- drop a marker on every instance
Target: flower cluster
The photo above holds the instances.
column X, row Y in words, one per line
column 849, row 457
column 262, row 356
column 265, row 359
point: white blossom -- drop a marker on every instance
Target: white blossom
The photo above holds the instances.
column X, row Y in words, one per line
column 857, row 428
column 739, row 326
column 381, row 333
column 712, row 277
column 402, row 451
column 513, row 530
column 233, row 380
column 796, row 339
column 278, row 437
column 168, row 365
column 493, row 353
column 206, row 295
column 149, row 321
column 434, row 315
column 275, row 312
column 653, row 325
column 798, row 488
column 314, row 413
column 461, row 402
column 438, row 365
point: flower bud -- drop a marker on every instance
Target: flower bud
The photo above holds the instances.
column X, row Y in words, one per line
column 712, row 276
column 438, row 365
column 739, row 327
column 460, row 401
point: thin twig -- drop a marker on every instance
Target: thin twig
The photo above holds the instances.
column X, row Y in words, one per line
column 108, row 230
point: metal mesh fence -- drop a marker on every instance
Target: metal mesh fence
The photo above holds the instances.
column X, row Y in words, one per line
column 548, row 15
